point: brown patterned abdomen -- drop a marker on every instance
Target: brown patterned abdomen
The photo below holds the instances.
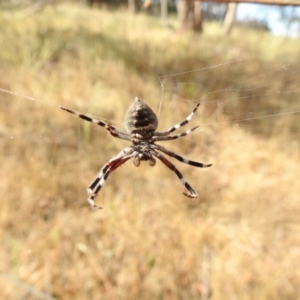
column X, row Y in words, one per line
column 140, row 117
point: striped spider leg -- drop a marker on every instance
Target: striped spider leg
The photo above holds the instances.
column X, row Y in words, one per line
column 109, row 167
column 164, row 136
column 167, row 163
column 141, row 124
column 115, row 132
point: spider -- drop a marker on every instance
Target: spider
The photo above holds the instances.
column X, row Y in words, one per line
column 141, row 124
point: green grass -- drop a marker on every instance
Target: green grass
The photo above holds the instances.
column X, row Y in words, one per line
column 150, row 241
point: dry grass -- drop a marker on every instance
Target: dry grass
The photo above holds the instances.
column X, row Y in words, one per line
column 149, row 242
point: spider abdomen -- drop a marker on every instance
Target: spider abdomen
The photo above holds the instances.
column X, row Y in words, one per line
column 140, row 118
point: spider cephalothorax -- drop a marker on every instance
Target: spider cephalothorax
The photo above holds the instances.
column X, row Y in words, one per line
column 141, row 124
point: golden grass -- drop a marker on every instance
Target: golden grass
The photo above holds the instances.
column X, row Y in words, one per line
column 149, row 242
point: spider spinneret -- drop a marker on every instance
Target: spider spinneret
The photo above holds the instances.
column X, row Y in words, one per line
column 141, row 124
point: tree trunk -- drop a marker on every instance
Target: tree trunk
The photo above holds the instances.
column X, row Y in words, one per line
column 134, row 6
column 189, row 14
column 229, row 18
column 164, row 12
column 185, row 14
column 84, row 2
column 198, row 16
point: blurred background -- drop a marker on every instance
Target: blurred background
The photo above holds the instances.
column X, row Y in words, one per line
column 240, row 239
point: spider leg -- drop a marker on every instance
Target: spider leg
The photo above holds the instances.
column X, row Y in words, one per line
column 84, row 117
column 168, row 164
column 180, row 158
column 118, row 133
column 102, row 176
column 177, row 126
column 174, row 137
column 110, row 128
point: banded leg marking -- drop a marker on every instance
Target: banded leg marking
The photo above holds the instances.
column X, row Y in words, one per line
column 180, row 158
column 174, row 137
column 177, row 126
column 109, row 167
column 168, row 164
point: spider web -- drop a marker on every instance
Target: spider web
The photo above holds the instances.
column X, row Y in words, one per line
column 261, row 109
column 246, row 102
column 244, row 91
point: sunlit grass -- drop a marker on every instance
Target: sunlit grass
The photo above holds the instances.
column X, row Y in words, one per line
column 149, row 240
